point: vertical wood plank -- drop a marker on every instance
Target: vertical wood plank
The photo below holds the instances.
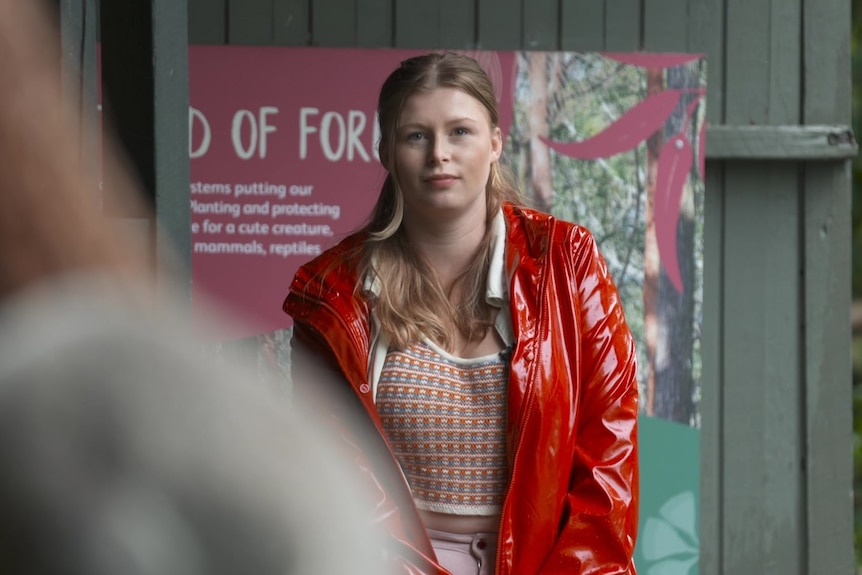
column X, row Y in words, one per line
column 763, row 519
column 582, row 25
column 711, row 428
column 417, row 24
column 541, row 30
column 785, row 54
column 89, row 67
column 171, row 146
column 499, row 24
column 249, row 22
column 665, row 26
column 73, row 19
column 374, row 25
column 828, row 401
column 291, row 24
column 207, row 23
column 762, row 483
column 623, row 25
column 706, row 36
column 827, row 61
column 90, row 154
column 333, row 22
column 78, row 23
column 458, row 24
column 747, row 62
column 828, row 232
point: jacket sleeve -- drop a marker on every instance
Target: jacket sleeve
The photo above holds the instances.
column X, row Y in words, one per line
column 600, row 520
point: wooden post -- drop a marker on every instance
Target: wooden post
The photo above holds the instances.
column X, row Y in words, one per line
column 78, row 24
column 144, row 54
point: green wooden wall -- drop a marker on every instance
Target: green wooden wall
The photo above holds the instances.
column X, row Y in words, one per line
column 776, row 431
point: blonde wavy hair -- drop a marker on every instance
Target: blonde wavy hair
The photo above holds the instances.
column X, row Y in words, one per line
column 411, row 302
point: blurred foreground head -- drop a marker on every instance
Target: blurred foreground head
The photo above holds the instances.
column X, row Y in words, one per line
column 124, row 452
column 124, row 449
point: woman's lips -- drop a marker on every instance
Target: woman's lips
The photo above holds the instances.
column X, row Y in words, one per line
column 442, row 181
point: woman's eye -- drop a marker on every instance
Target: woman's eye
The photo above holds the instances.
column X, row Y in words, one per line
column 461, row 131
column 415, row 136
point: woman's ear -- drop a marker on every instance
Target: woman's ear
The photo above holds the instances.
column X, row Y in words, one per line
column 496, row 143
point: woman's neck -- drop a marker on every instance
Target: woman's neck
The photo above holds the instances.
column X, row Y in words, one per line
column 448, row 247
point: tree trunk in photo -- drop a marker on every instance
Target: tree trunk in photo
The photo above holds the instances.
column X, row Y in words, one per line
column 540, row 157
column 655, row 84
column 555, row 77
column 674, row 391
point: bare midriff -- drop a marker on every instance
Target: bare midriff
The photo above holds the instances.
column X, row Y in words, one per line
column 451, row 523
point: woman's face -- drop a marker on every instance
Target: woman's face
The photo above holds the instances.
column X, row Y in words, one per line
column 443, row 151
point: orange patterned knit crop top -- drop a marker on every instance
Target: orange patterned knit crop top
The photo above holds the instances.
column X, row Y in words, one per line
column 445, row 419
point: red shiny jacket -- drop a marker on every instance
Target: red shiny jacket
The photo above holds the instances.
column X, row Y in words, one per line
column 571, row 505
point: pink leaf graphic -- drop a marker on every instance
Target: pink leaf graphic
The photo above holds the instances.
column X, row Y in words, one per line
column 701, row 152
column 674, row 164
column 646, row 60
column 626, row 133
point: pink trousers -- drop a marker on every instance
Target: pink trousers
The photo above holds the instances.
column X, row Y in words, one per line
column 465, row 554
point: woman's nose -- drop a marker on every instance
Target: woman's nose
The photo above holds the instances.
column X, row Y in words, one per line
column 439, row 151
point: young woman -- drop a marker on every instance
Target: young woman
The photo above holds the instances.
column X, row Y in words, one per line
column 473, row 352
